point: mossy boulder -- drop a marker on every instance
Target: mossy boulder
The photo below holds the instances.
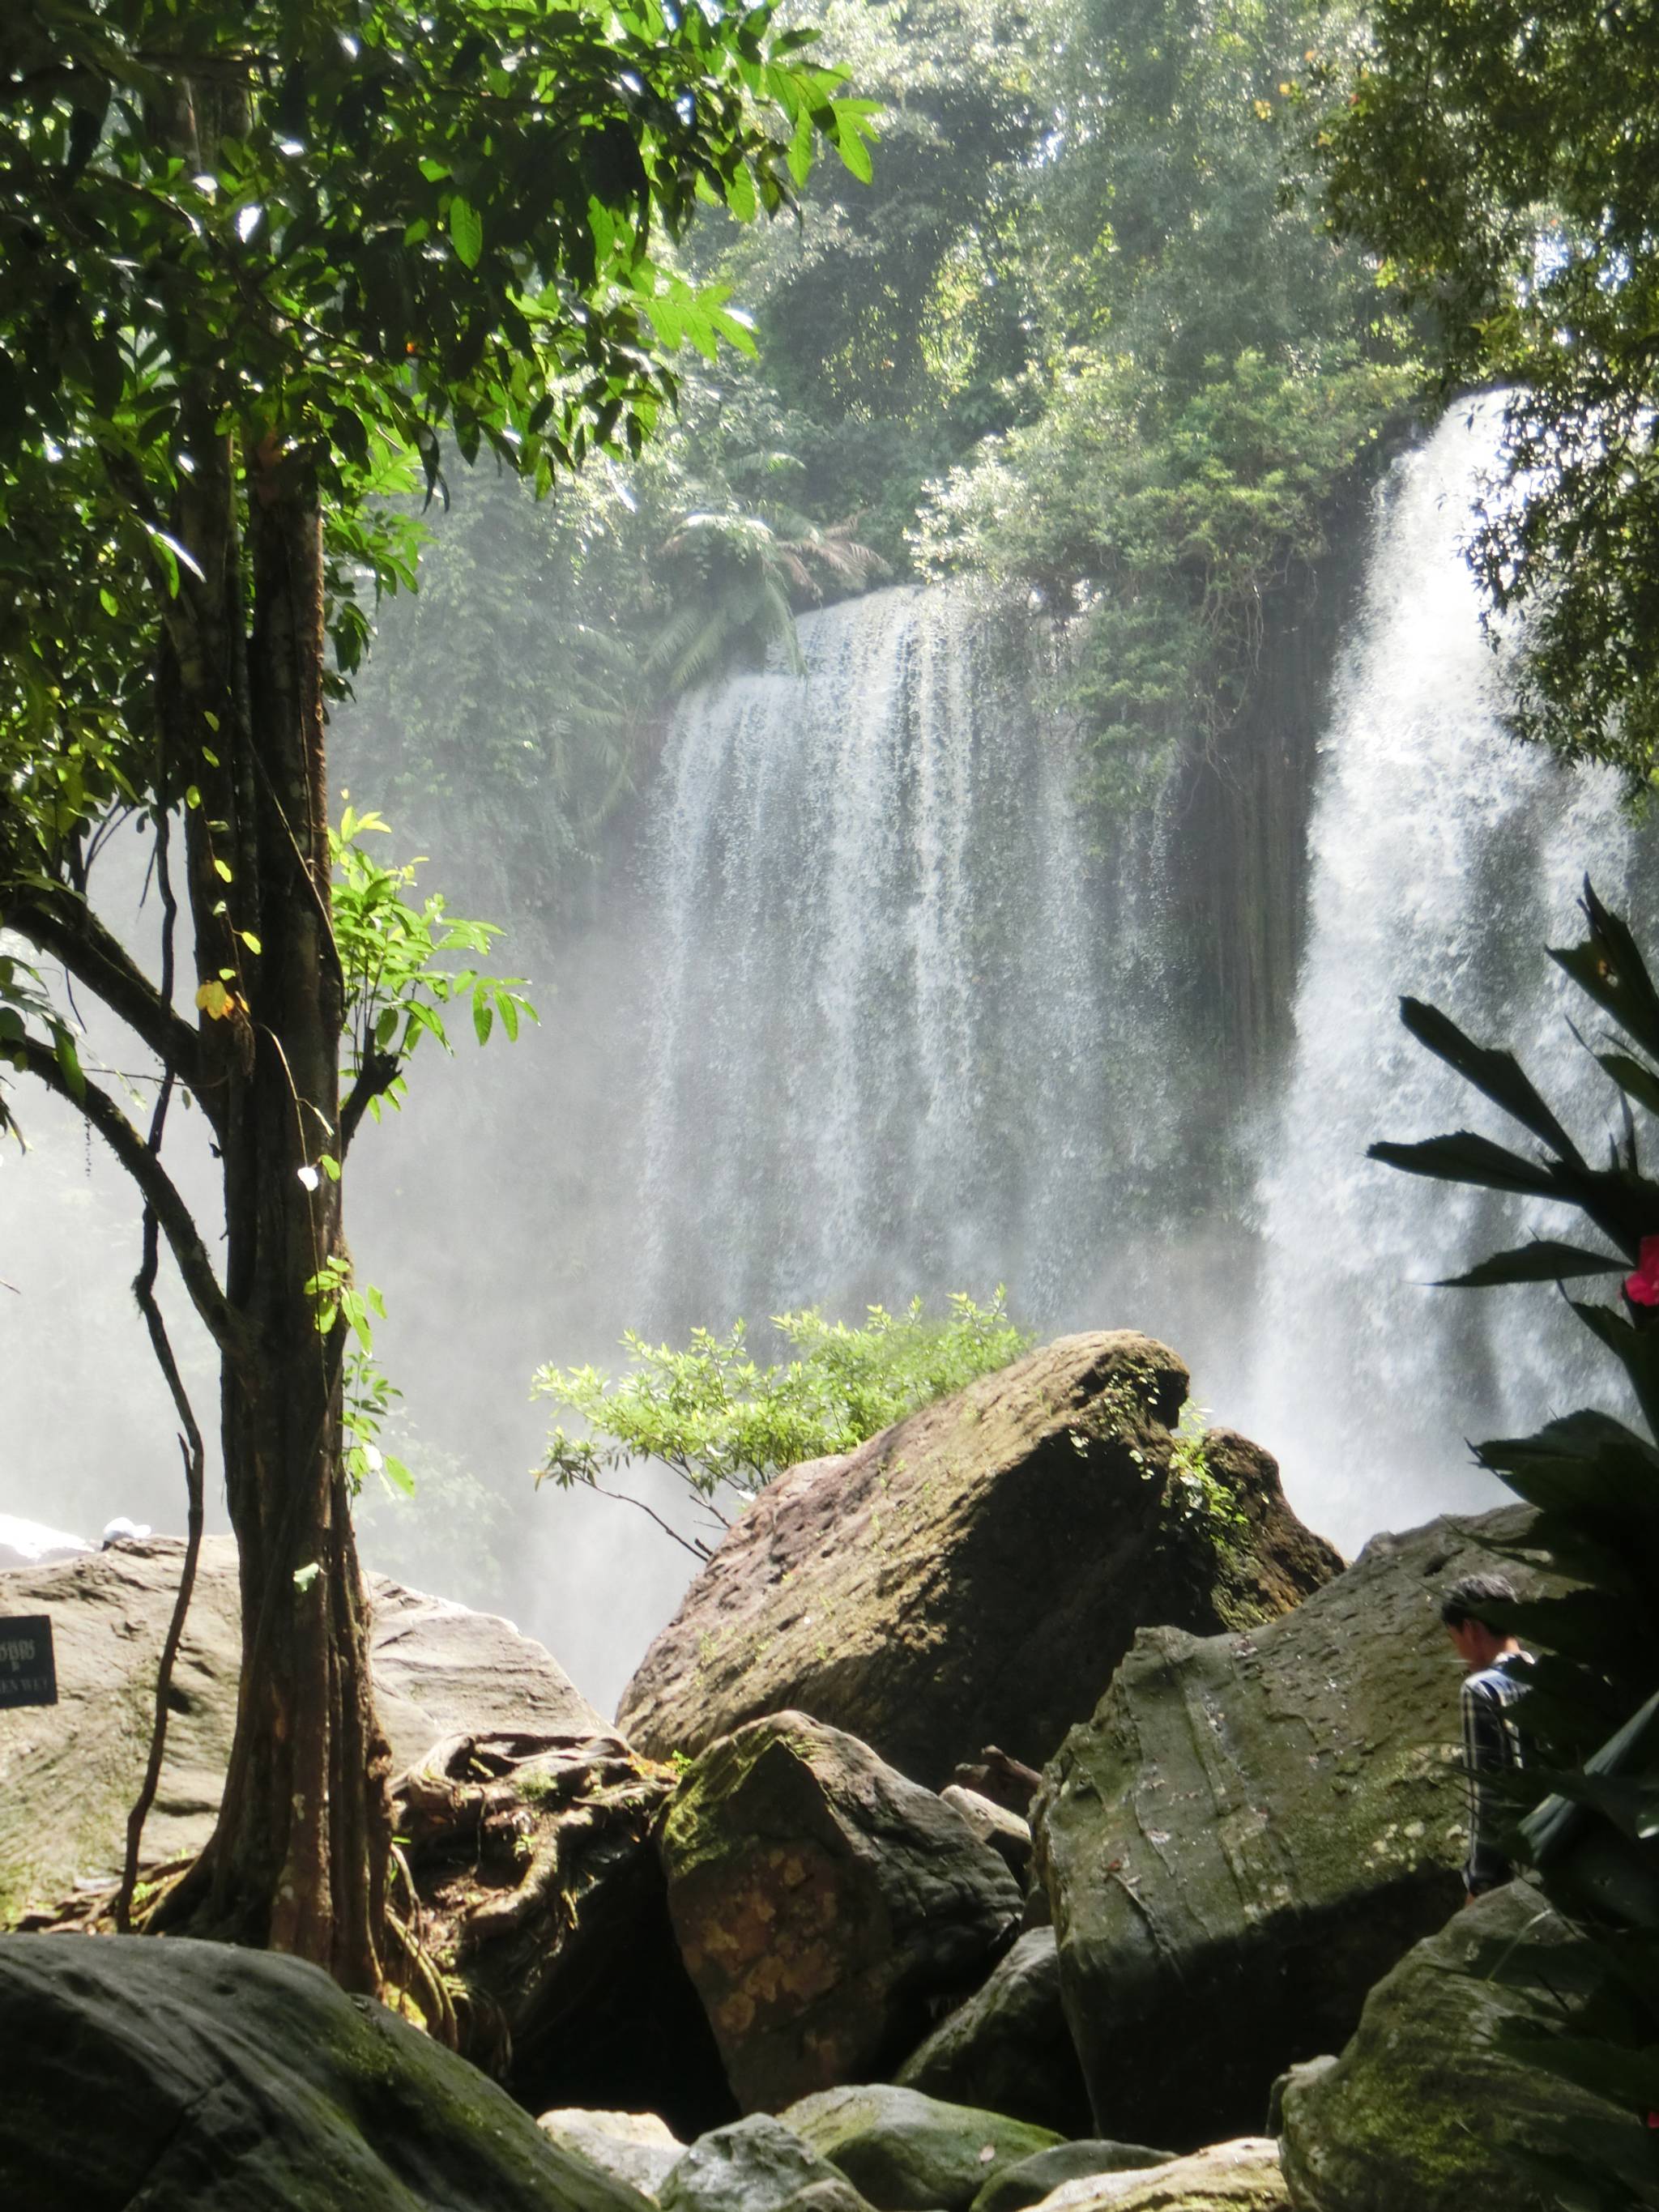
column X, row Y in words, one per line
column 69, row 1773
column 1427, row 2110
column 822, row 1905
column 1242, row 2176
column 907, row 2153
column 1036, row 2177
column 972, row 1574
column 1008, row 2047
column 199, row 2078
column 1251, row 1831
column 757, row 2164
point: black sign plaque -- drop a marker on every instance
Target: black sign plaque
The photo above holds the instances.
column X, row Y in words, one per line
column 28, row 1673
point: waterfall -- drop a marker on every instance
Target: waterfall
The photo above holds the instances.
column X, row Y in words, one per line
column 889, row 979
column 1444, row 857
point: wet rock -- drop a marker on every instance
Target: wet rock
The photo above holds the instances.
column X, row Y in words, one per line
column 1008, row 2047
column 198, row 2077
column 975, row 1573
column 1427, row 2111
column 1270, row 1819
column 636, row 2148
column 1035, row 2178
column 907, row 2153
column 822, row 1904
column 1242, row 2176
column 69, row 1773
column 756, row 2165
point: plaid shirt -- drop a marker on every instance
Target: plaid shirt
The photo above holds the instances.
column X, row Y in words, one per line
column 1491, row 1747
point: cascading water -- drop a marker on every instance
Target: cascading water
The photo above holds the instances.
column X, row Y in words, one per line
column 887, row 993
column 1444, row 858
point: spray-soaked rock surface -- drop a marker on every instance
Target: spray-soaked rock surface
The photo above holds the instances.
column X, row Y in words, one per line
column 823, row 1904
column 69, row 1773
column 198, row 2077
column 1251, row 1829
column 1430, row 2109
column 973, row 1574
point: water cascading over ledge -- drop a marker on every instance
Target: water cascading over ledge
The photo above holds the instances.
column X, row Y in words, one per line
column 905, row 1033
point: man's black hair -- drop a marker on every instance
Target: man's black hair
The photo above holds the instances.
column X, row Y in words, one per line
column 1466, row 1600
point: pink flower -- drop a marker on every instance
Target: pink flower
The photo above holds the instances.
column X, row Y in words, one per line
column 1641, row 1288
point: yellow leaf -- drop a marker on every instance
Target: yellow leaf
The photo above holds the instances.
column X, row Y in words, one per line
column 215, row 1001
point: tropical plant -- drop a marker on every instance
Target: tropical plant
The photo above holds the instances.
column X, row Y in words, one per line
column 723, row 1423
column 261, row 261
column 1593, row 1481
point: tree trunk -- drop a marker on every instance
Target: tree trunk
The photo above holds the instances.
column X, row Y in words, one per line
column 299, row 1860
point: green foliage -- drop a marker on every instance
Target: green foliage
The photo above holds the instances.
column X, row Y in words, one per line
column 719, row 1419
column 449, row 1534
column 1167, row 529
column 392, row 956
column 739, row 579
column 1593, row 1482
column 1503, row 165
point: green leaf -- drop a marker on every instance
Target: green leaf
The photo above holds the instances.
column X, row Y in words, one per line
column 465, row 231
column 1541, row 1261
column 1465, row 1158
column 1496, row 1074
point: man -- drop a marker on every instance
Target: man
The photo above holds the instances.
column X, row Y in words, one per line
column 1495, row 1681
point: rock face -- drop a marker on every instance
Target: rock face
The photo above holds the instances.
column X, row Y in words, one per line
column 201, row 2078
column 974, row 1574
column 821, row 1903
column 1009, row 2048
column 69, row 1773
column 1231, row 2177
column 907, row 2153
column 1252, row 1829
column 1425, row 2112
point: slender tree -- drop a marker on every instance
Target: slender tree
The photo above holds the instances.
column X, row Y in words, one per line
column 257, row 259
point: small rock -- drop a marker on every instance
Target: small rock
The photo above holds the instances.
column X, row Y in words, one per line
column 909, row 2153
column 755, row 2165
column 1009, row 1834
column 1242, row 2176
column 1035, row 2178
column 638, row 2148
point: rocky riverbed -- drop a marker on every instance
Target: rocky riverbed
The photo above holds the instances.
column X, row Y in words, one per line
column 803, row 1930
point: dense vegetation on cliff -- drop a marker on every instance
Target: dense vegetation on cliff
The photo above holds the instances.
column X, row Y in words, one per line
column 1083, row 330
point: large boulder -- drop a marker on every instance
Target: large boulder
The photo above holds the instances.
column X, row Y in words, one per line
column 907, row 2153
column 200, row 2078
column 974, row 1574
column 1008, row 2047
column 1251, row 1829
column 69, row 1773
column 1428, row 2110
column 822, row 1905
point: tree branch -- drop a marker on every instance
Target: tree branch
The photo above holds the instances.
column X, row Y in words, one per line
column 71, row 933
column 224, row 1322
column 376, row 1076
